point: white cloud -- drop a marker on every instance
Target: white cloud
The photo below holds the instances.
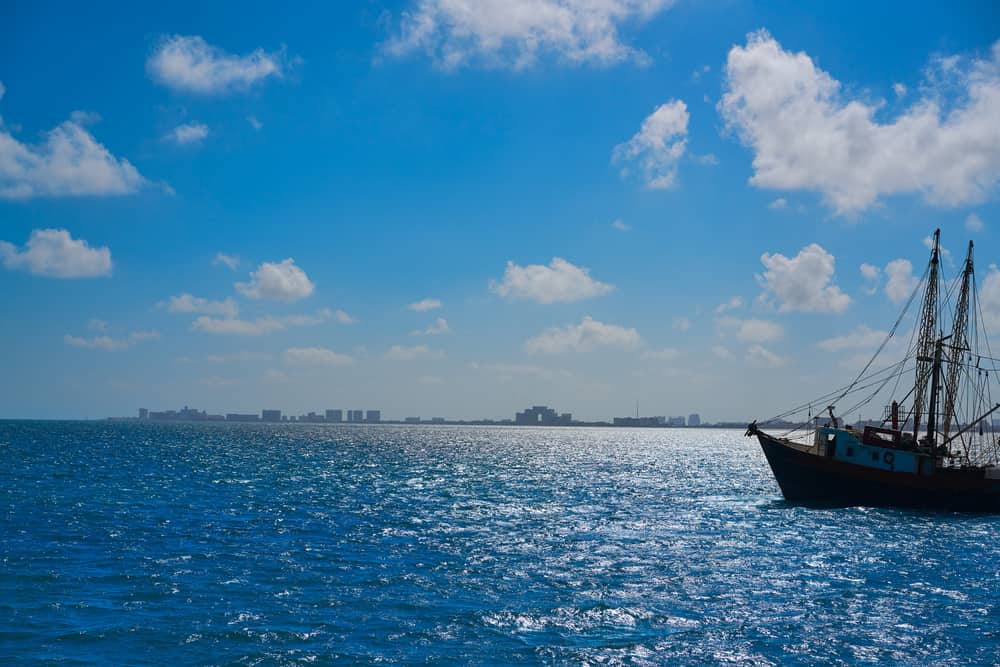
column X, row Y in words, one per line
column 315, row 356
column 192, row 65
column 861, row 337
column 734, row 303
column 424, row 305
column 899, row 89
column 974, row 224
column 621, row 226
column 53, row 253
column 900, row 281
column 802, row 283
column 320, row 316
column 404, row 353
column 221, row 259
column 658, row 146
column 2, row 90
column 274, row 376
column 722, row 352
column 507, row 371
column 515, row 33
column 440, row 326
column 85, row 118
column 187, row 303
column 778, row 204
column 752, row 330
column 344, row 318
column 707, row 159
column 254, row 123
column 237, row 327
column 283, row 281
column 95, row 324
column 583, row 337
column 806, row 133
column 760, row 356
column 70, row 162
column 682, row 323
column 261, row 325
column 188, row 133
column 95, row 343
column 237, row 357
column 989, row 300
column 217, row 381
column 870, row 272
column 109, row 344
column 666, row 354
column 872, row 275
column 558, row 282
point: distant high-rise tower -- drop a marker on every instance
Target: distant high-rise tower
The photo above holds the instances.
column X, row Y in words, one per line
column 373, row 416
column 143, row 413
column 270, row 415
column 335, row 416
column 694, row 419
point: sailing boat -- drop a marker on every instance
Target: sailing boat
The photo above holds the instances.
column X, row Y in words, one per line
column 940, row 453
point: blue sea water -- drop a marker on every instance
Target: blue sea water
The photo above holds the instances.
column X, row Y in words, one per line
column 127, row 543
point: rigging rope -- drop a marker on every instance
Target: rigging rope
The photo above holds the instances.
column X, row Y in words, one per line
column 885, row 342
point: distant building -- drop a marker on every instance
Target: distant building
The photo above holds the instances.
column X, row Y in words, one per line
column 236, row 417
column 437, row 420
column 185, row 414
column 143, row 413
column 336, row 416
column 676, row 421
column 373, row 416
column 639, row 421
column 270, row 415
column 694, row 419
column 355, row 416
column 541, row 415
column 412, row 420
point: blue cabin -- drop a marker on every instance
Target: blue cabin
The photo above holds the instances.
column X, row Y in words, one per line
column 876, row 448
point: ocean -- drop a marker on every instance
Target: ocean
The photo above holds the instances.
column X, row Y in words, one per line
column 229, row 544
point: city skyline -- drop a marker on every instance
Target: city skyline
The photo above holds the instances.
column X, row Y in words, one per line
column 706, row 208
column 537, row 415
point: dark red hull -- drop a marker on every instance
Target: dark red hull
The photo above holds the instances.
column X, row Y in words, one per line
column 811, row 479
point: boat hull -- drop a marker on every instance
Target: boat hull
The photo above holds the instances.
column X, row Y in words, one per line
column 805, row 477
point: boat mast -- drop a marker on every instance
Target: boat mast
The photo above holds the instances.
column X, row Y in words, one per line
column 935, row 385
column 926, row 342
column 959, row 345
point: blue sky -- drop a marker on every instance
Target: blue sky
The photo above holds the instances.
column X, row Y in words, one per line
column 476, row 157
